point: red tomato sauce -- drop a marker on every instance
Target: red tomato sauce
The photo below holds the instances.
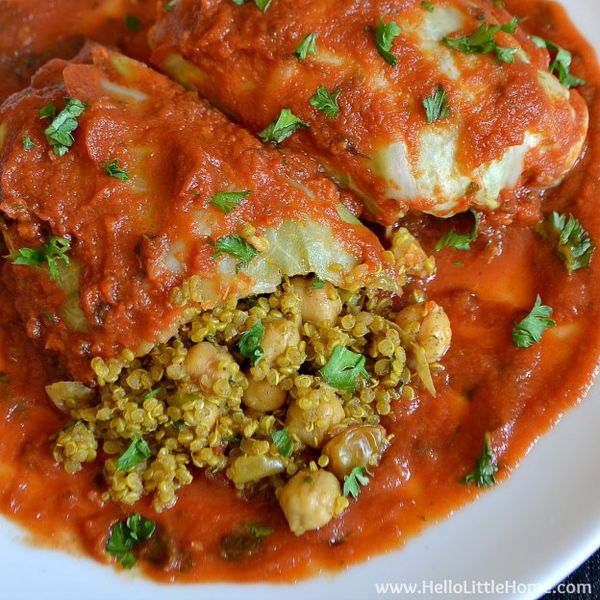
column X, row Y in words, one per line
column 515, row 394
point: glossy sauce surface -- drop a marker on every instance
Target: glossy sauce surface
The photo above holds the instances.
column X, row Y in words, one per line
column 515, row 394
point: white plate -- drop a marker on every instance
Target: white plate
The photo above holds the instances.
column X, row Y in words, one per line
column 531, row 531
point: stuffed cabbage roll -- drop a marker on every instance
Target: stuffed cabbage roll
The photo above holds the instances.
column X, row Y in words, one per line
column 129, row 202
column 435, row 106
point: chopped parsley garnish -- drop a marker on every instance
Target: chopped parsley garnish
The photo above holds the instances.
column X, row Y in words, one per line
column 263, row 5
column 485, row 468
column 4, row 377
column 28, row 143
column 134, row 23
column 283, row 442
column 572, row 243
column 529, row 331
column 561, row 64
column 459, row 241
column 48, row 111
column 359, row 476
column 281, row 129
column 137, row 453
column 59, row 132
column 326, row 102
column 52, row 252
column 258, row 531
column 344, row 368
column 437, row 106
column 318, row 283
column 228, row 201
column 113, row 169
column 482, row 41
column 249, row 344
column 169, row 6
column 307, row 46
column 153, row 393
column 385, row 34
column 126, row 535
column 236, row 246
column 429, row 6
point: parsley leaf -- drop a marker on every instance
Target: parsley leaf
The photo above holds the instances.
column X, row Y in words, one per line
column 318, row 283
column 59, row 132
column 169, row 6
column 307, row 46
column 4, row 377
column 263, row 5
column 481, row 41
column 137, row 453
column 358, row 477
column 132, row 22
column 529, row 331
column 126, row 535
column 249, row 344
column 485, row 467
column 153, row 393
column 258, row 531
column 28, row 143
column 113, row 169
column 326, row 102
column 459, row 241
column 343, row 369
column 237, row 247
column 228, row 201
column 385, row 34
column 436, row 106
column 281, row 129
column 48, row 111
column 428, row 6
column 283, row 442
column 53, row 251
column 572, row 243
column 561, row 64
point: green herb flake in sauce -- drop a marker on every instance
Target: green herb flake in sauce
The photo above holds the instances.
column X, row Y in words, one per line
column 133, row 23
column 571, row 242
column 283, row 442
column 326, row 102
column 126, row 535
column 437, row 106
column 137, row 452
column 59, row 133
column 28, row 143
column 429, row 6
column 344, row 368
column 113, row 170
column 482, row 41
column 282, row 128
column 236, row 246
column 459, row 241
column 561, row 64
column 385, row 34
column 485, row 468
column 307, row 46
column 229, row 201
column 359, row 476
column 249, row 344
column 529, row 331
column 51, row 253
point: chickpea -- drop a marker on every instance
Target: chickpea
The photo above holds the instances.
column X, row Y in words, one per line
column 356, row 446
column 207, row 363
column 318, row 305
column 279, row 336
column 264, row 397
column 433, row 331
column 435, row 334
column 311, row 426
column 308, row 500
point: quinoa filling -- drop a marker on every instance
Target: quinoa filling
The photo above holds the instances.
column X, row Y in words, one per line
column 282, row 392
